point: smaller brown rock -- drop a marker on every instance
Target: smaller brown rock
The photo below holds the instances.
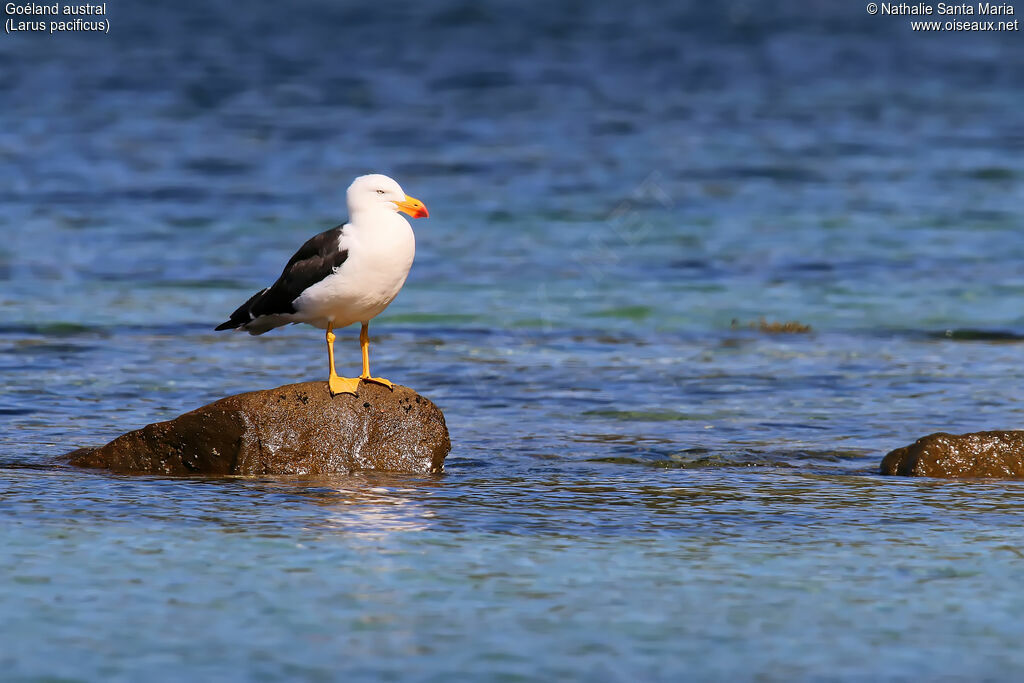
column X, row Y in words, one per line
column 774, row 327
column 991, row 455
column 294, row 429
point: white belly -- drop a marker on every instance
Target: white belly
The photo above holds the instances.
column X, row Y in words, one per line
column 379, row 258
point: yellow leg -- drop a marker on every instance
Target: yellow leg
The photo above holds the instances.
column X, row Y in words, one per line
column 338, row 385
column 364, row 343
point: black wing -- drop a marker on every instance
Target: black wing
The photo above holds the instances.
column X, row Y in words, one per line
column 315, row 260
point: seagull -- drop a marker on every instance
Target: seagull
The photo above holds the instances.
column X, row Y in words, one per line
column 344, row 275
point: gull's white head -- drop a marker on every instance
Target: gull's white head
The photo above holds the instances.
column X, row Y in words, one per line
column 377, row 192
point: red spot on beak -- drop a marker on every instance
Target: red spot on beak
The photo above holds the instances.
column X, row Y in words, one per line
column 414, row 207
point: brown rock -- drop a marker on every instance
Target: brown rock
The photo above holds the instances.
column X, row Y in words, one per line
column 294, row 429
column 998, row 455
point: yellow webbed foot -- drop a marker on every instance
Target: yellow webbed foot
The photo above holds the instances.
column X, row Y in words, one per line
column 379, row 380
column 342, row 385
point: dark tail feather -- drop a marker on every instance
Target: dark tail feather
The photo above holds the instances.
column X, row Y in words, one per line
column 242, row 314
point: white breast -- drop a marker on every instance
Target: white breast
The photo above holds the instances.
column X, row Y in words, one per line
column 380, row 249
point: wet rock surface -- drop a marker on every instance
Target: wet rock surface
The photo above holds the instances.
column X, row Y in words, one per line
column 998, row 455
column 293, row 429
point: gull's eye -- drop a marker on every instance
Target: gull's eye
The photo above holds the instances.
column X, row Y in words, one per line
column 380, row 191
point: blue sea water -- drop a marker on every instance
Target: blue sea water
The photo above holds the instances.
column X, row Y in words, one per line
column 642, row 486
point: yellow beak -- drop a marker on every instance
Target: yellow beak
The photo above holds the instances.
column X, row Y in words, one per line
column 413, row 207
